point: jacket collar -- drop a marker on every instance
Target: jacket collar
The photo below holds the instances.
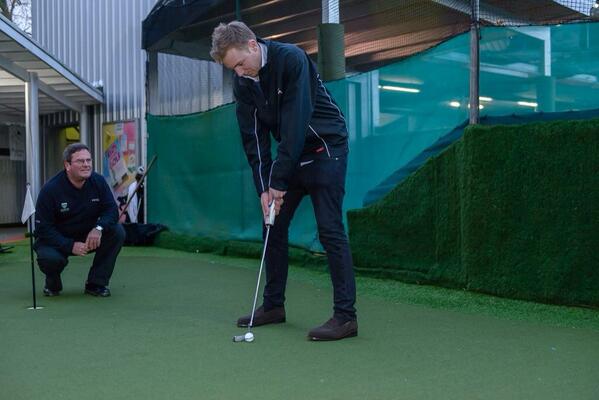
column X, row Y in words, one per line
column 269, row 56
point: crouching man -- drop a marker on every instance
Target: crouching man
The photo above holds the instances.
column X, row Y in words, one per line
column 76, row 214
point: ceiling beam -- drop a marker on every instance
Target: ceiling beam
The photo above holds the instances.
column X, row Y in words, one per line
column 22, row 74
column 11, row 118
column 59, row 97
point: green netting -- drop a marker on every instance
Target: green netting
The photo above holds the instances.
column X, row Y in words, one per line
column 201, row 184
column 544, row 68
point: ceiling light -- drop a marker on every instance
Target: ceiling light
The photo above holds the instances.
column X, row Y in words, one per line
column 527, row 104
column 399, row 89
column 483, row 98
column 455, row 104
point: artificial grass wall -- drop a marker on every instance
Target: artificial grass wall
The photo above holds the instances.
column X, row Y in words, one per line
column 507, row 210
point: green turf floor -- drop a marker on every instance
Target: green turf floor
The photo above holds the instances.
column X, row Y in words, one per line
column 166, row 334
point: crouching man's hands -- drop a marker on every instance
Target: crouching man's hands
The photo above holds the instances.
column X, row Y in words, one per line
column 79, row 249
column 93, row 240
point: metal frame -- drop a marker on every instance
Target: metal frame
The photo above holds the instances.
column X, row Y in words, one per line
column 29, row 80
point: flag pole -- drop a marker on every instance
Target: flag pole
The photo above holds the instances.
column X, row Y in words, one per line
column 26, row 216
column 32, row 267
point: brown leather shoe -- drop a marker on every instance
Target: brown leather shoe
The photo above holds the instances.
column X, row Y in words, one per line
column 261, row 317
column 334, row 329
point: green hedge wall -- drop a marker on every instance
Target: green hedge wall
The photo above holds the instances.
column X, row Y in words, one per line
column 507, row 210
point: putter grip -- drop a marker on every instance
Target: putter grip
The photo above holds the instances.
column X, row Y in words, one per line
column 271, row 214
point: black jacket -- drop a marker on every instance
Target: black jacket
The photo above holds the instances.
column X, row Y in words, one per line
column 65, row 214
column 291, row 103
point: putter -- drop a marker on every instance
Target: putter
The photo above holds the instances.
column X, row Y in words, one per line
column 249, row 336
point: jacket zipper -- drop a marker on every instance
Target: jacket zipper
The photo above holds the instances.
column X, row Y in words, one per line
column 279, row 93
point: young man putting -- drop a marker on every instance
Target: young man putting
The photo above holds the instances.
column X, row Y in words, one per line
column 279, row 93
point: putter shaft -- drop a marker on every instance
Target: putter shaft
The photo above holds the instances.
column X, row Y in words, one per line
column 269, row 223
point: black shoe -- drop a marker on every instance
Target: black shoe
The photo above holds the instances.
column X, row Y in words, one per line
column 334, row 329
column 97, row 290
column 261, row 317
column 50, row 292
column 53, row 284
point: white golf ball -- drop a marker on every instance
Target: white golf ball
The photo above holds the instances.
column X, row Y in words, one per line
column 249, row 337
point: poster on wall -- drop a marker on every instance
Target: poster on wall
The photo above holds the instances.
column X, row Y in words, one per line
column 16, row 143
column 119, row 149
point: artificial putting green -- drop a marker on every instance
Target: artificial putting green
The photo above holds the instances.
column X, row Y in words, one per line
column 166, row 334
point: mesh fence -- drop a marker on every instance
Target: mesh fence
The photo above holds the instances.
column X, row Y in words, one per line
column 381, row 32
column 394, row 114
column 535, row 56
column 377, row 32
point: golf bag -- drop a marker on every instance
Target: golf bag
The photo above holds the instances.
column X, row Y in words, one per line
column 141, row 234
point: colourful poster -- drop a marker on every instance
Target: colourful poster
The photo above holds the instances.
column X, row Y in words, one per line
column 119, row 147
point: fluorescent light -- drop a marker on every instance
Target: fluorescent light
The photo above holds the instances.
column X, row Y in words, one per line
column 527, row 104
column 456, row 104
column 399, row 89
column 483, row 98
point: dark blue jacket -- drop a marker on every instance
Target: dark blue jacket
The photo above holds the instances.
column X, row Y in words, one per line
column 65, row 214
column 291, row 103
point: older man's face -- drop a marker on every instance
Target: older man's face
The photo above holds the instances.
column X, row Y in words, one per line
column 244, row 61
column 80, row 166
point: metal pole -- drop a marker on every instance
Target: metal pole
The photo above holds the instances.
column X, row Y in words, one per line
column 330, row 11
column 96, row 138
column 331, row 46
column 474, row 62
column 84, row 125
column 30, row 225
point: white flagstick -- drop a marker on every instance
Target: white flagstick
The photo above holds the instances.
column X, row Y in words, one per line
column 28, row 211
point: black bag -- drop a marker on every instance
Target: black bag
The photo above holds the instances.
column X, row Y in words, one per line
column 141, row 234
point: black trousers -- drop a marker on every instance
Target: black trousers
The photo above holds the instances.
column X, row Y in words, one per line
column 52, row 262
column 324, row 181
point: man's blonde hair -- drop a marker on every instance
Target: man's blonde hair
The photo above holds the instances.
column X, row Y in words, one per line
column 234, row 34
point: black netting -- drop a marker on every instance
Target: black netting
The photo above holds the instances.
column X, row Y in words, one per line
column 380, row 32
column 534, row 12
column 377, row 32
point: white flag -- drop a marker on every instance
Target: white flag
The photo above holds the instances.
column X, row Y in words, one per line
column 28, row 206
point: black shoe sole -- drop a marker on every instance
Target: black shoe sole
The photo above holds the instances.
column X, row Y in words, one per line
column 51, row 294
column 96, row 294
column 317, row 339
column 245, row 325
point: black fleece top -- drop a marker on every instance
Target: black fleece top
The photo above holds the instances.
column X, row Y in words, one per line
column 290, row 102
column 65, row 214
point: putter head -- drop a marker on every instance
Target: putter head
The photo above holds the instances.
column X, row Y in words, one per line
column 248, row 337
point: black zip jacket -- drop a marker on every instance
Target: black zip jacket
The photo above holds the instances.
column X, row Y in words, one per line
column 291, row 103
column 65, row 214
